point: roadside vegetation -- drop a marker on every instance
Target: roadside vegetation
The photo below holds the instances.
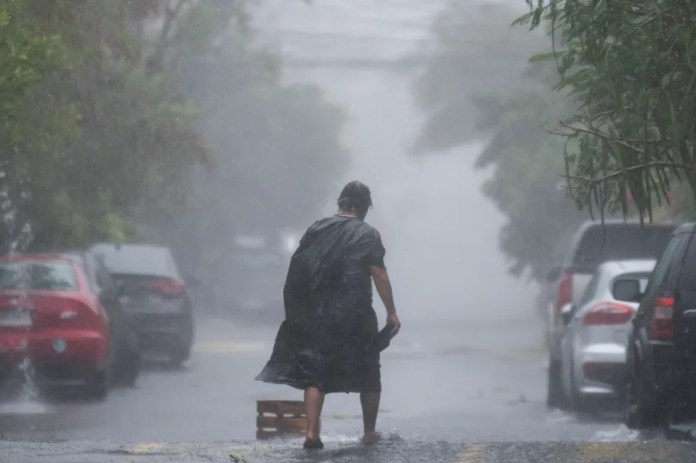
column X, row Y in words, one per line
column 114, row 115
column 599, row 121
column 631, row 69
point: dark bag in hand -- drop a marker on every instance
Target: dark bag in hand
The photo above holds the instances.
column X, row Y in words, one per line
column 383, row 338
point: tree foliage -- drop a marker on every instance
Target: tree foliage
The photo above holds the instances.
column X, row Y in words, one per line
column 155, row 120
column 473, row 52
column 27, row 55
column 92, row 135
column 479, row 86
column 275, row 148
column 526, row 182
column 631, row 66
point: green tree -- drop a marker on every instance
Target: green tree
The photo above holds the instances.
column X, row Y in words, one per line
column 155, row 120
column 95, row 135
column 526, row 182
column 631, row 66
column 478, row 85
column 26, row 55
column 275, row 148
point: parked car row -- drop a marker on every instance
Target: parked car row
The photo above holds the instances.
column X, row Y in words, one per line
column 82, row 319
column 622, row 323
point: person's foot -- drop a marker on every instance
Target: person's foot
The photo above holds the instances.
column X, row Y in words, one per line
column 313, row 444
column 371, row 438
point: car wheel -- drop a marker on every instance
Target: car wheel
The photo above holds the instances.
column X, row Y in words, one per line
column 180, row 350
column 640, row 411
column 132, row 369
column 96, row 385
column 555, row 398
column 127, row 367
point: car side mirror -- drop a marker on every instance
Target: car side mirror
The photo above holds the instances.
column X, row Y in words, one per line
column 567, row 313
column 627, row 290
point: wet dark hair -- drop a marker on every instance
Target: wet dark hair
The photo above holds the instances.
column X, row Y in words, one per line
column 355, row 196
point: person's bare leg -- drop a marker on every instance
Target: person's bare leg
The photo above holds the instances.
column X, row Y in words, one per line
column 314, row 402
column 370, row 408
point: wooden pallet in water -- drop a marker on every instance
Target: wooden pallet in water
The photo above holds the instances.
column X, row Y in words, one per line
column 279, row 418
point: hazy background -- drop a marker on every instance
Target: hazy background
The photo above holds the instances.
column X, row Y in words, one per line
column 441, row 233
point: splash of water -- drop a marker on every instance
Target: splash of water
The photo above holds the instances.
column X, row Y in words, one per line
column 29, row 391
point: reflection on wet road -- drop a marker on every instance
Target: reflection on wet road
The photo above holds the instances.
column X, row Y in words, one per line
column 454, row 382
column 390, row 450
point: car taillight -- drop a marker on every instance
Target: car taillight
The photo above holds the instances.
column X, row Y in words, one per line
column 565, row 291
column 166, row 286
column 608, row 313
column 662, row 323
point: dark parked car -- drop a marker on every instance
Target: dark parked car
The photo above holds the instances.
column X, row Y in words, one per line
column 125, row 358
column 661, row 356
column 594, row 244
column 154, row 294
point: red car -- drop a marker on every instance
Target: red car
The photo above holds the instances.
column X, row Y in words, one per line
column 50, row 317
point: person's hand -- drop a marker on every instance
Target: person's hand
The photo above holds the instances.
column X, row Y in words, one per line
column 394, row 323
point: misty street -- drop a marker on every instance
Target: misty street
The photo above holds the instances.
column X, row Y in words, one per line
column 458, row 383
column 477, row 216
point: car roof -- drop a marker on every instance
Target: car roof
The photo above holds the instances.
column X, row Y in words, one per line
column 616, row 267
column 129, row 246
column 686, row 228
column 136, row 259
column 621, row 223
column 585, row 250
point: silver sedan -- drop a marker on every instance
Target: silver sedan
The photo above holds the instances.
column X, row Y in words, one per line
column 593, row 348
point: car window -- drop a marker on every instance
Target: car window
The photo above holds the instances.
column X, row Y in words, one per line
column 620, row 242
column 642, row 277
column 47, row 276
column 103, row 278
column 88, row 267
column 687, row 279
column 661, row 272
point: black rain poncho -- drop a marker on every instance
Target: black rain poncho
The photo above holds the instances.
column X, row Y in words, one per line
column 326, row 340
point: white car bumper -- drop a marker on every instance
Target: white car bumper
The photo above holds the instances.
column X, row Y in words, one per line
column 610, row 358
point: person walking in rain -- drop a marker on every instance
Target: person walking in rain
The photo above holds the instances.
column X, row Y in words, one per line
column 329, row 341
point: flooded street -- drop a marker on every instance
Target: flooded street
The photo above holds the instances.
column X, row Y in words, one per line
column 455, row 382
column 180, row 149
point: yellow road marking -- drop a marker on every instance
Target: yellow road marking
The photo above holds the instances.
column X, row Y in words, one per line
column 474, row 453
column 227, row 347
column 635, row 452
column 235, row 453
column 145, row 448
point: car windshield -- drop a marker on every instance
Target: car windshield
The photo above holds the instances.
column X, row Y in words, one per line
column 45, row 276
column 620, row 242
column 136, row 260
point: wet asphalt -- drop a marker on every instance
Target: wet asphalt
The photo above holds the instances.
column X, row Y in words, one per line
column 454, row 390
